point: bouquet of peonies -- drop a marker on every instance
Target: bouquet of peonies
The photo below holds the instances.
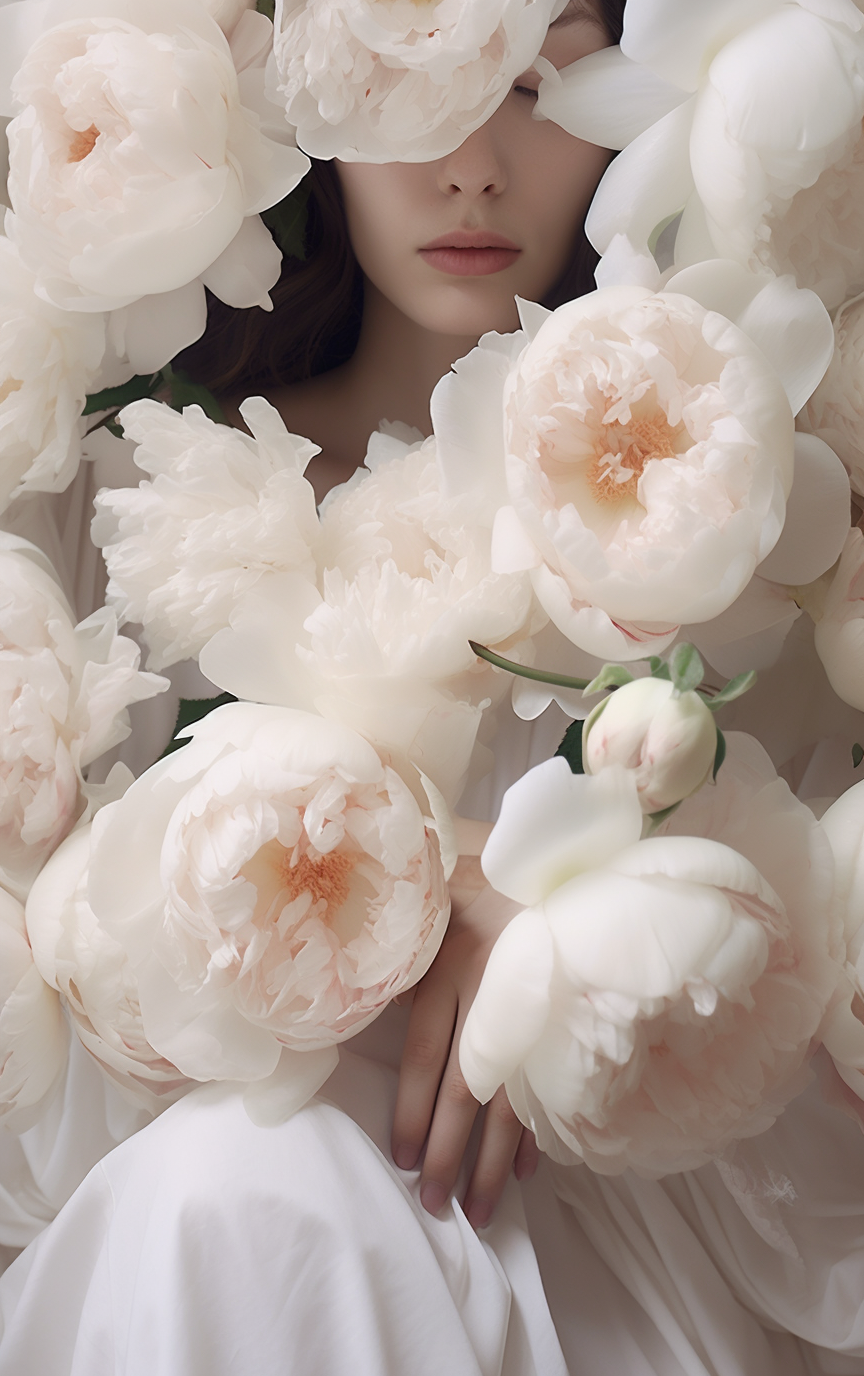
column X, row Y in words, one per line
column 664, row 467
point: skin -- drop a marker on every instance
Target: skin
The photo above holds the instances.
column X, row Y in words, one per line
column 531, row 182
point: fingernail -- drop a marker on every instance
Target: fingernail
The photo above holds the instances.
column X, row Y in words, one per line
column 405, row 1156
column 433, row 1197
column 523, row 1170
column 478, row 1213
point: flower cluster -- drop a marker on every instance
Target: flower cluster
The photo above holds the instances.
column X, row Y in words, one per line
column 671, row 458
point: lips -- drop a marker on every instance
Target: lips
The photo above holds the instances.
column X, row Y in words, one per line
column 470, row 253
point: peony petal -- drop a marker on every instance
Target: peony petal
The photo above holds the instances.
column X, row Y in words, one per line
column 510, row 1007
column 152, row 330
column 245, row 271
column 554, row 823
column 790, row 326
column 817, row 516
column 646, row 185
column 466, row 409
column 675, row 38
column 298, row 1076
column 606, row 99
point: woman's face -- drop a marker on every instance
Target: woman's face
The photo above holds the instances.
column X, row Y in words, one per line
column 450, row 243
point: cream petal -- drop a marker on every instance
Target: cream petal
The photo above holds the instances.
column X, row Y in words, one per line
column 554, row 823
column 245, row 271
column 790, row 326
column 297, row 1077
column 255, row 658
column 201, row 1033
column 511, row 1006
column 467, row 418
column 152, row 330
column 817, row 516
column 646, row 185
column 751, row 633
column 675, row 38
column 843, row 824
column 606, row 99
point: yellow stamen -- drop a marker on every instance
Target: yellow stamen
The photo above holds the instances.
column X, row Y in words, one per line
column 615, row 472
column 83, row 143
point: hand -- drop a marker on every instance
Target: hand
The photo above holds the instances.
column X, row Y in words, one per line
column 433, row 1098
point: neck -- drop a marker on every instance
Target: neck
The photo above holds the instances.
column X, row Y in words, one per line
column 397, row 362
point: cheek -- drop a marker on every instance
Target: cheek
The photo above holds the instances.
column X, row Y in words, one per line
column 382, row 206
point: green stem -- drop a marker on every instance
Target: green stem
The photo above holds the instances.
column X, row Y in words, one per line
column 522, row 670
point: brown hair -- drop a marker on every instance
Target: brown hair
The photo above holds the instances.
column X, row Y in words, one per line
column 318, row 300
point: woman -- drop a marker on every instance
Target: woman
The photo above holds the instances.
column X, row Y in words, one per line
column 206, row 1245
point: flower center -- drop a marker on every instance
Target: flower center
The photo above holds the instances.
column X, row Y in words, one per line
column 83, row 143
column 623, row 453
column 325, row 878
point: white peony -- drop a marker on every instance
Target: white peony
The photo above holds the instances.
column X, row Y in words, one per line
column 398, row 80
column 49, row 360
column 647, row 447
column 843, row 1034
column 33, row 1035
column 383, row 645
column 135, row 168
column 839, row 615
column 76, row 956
column 748, row 117
column 657, row 1000
column 281, row 889
column 667, row 740
column 835, row 412
column 64, row 690
column 220, row 512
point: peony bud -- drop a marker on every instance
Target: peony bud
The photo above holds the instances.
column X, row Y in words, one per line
column 667, row 739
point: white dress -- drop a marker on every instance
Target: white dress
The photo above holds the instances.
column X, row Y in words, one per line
column 203, row 1245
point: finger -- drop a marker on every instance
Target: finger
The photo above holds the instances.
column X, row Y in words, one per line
column 502, row 1133
column 527, row 1156
column 427, row 1047
column 455, row 1111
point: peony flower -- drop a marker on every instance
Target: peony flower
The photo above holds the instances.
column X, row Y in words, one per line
column 282, row 888
column 647, row 447
column 49, row 359
column 657, row 1000
column 746, row 117
column 33, row 1036
column 838, row 610
column 843, row 1034
column 64, row 690
column 135, row 168
column 76, row 956
column 383, row 647
column 835, row 412
column 397, row 81
column 666, row 739
column 221, row 512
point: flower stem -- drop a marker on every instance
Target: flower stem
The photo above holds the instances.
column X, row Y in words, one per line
column 523, row 671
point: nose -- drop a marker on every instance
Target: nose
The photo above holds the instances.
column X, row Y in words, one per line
column 476, row 168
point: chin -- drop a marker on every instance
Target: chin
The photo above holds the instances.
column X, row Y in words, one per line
column 467, row 309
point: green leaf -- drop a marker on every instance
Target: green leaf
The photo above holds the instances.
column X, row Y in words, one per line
column 287, row 219
column 190, row 711
column 686, row 668
column 184, row 392
column 735, row 688
column 522, row 670
column 571, row 747
column 659, row 668
column 857, row 755
column 719, row 754
column 610, row 676
column 115, row 398
column 268, row 8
